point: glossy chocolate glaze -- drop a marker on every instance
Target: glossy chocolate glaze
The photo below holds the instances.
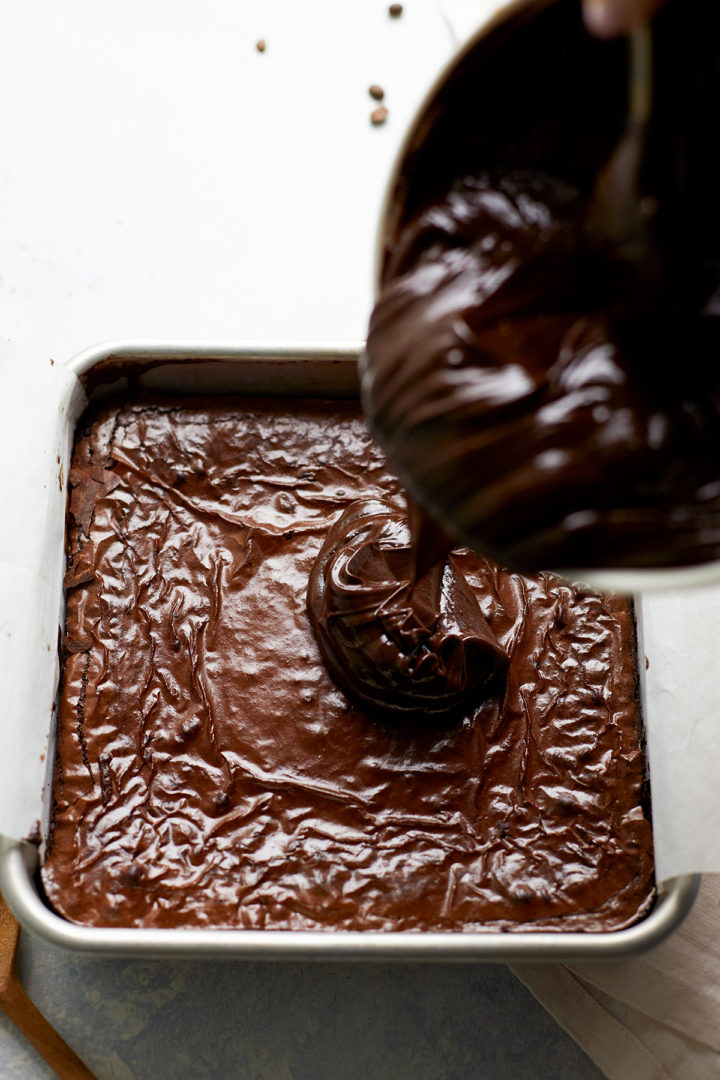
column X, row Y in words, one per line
column 210, row 773
column 397, row 642
column 544, row 398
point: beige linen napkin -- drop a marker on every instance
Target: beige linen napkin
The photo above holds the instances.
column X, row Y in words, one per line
column 653, row 1017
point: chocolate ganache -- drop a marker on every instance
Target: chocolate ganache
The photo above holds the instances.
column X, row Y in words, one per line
column 390, row 638
column 209, row 773
column 542, row 396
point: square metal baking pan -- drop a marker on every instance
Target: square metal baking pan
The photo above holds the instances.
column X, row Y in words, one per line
column 310, row 371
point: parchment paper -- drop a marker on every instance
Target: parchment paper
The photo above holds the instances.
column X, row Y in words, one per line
column 39, row 402
column 681, row 639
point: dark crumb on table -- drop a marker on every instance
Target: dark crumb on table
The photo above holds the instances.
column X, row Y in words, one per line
column 261, row 45
column 395, row 10
column 378, row 116
column 376, row 92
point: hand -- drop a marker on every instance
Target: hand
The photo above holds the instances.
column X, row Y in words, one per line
column 608, row 18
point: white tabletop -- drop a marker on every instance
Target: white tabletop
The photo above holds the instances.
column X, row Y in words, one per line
column 162, row 178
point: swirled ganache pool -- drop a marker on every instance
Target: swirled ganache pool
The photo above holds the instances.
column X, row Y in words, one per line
column 209, row 772
column 545, row 397
column 396, row 640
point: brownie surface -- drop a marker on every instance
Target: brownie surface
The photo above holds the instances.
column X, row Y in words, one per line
column 208, row 771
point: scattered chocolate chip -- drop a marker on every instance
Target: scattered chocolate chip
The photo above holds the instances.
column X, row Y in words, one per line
column 261, row 45
column 395, row 11
column 378, row 116
column 376, row 92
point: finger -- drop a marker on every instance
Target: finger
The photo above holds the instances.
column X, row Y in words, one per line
column 608, row 18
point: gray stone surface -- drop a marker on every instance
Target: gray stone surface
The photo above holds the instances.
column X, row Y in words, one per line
column 132, row 1020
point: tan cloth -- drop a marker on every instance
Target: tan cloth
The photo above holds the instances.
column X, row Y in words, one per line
column 656, row 1017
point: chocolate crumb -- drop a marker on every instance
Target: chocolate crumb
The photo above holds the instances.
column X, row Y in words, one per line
column 34, row 837
column 395, row 11
column 378, row 116
column 376, row 92
column 261, row 45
